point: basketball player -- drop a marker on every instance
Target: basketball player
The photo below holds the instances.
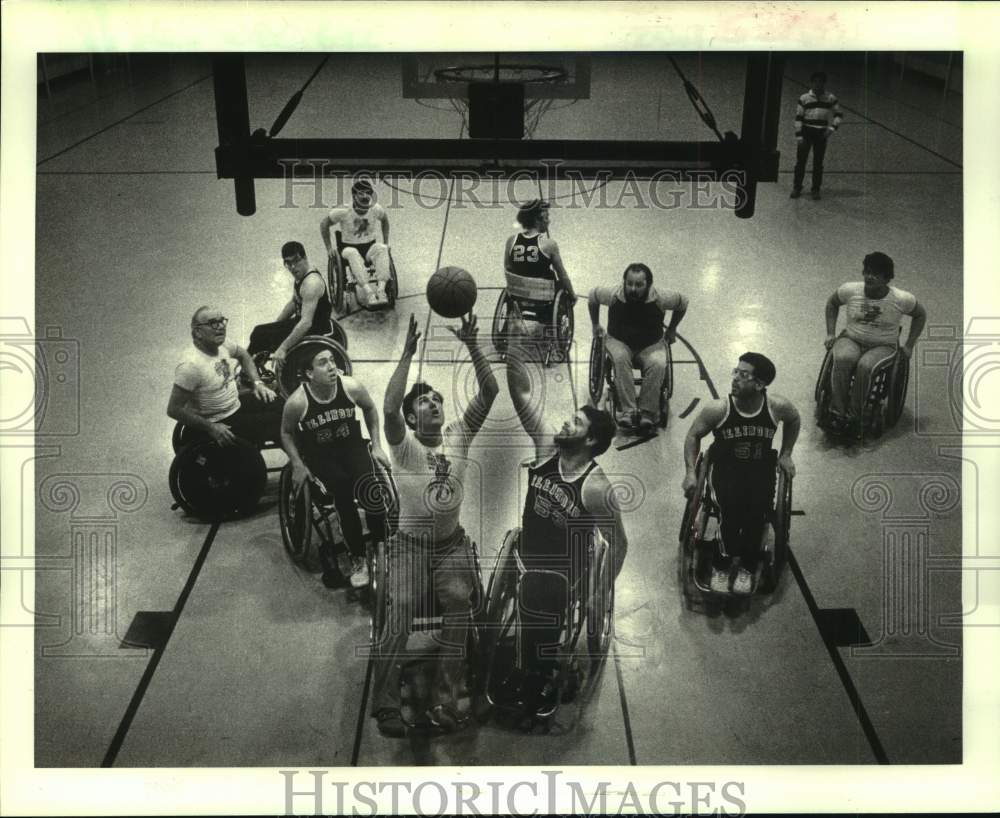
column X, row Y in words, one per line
column 307, row 313
column 743, row 425
column 362, row 236
column 205, row 396
column 429, row 548
column 321, row 434
column 569, row 499
column 533, row 254
column 636, row 311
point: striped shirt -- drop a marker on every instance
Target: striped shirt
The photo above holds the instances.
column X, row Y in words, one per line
column 816, row 112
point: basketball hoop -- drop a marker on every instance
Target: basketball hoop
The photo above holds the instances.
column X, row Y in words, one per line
column 534, row 108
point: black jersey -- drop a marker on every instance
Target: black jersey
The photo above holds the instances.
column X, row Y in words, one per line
column 329, row 427
column 321, row 317
column 528, row 259
column 743, row 439
column 555, row 518
column 635, row 325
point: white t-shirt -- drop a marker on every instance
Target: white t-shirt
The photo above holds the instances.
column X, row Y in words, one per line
column 874, row 321
column 429, row 481
column 355, row 229
column 212, row 379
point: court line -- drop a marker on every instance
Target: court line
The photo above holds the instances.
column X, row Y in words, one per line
column 360, row 727
column 624, row 703
column 147, row 677
column 858, row 113
column 845, row 677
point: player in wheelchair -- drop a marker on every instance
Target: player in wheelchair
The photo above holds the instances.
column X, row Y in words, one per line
column 218, row 470
column 635, row 339
column 361, row 268
column 740, row 476
column 556, row 573
column 538, row 283
column 330, row 464
column 307, row 313
column 863, row 380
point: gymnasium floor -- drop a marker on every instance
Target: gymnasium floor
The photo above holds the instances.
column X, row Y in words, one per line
column 134, row 232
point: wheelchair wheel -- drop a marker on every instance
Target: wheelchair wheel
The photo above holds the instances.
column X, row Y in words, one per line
column 336, row 280
column 561, row 338
column 392, row 285
column 499, row 618
column 214, row 482
column 500, row 316
column 182, row 436
column 822, row 390
column 600, row 603
column 338, row 333
column 379, row 573
column 598, row 365
column 690, row 518
column 668, row 374
column 295, row 515
column 295, row 361
column 896, row 399
column 782, row 532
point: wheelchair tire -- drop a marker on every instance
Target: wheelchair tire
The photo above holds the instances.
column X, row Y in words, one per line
column 500, row 316
column 822, row 391
column 597, row 375
column 600, row 606
column 392, row 285
column 290, row 376
column 561, row 332
column 379, row 573
column 295, row 516
column 214, row 482
column 182, row 436
column 336, row 279
column 782, row 533
column 338, row 333
column 896, row 399
column 693, row 503
column 668, row 375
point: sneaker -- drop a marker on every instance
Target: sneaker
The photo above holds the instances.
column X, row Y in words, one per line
column 390, row 723
column 445, row 718
column 624, row 419
column 344, row 564
column 743, row 582
column 359, row 572
column 720, row 581
column 816, row 196
column 646, row 424
column 795, row 193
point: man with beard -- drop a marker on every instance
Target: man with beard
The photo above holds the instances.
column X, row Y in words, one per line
column 321, row 434
column 636, row 310
column 875, row 310
column 429, row 547
column 743, row 424
column 569, row 501
column 205, row 396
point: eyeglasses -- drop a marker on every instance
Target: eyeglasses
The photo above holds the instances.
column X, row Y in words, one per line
column 743, row 375
column 290, row 261
column 214, row 323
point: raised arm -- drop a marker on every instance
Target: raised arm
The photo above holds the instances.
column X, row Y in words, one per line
column 487, row 389
column 392, row 405
column 707, row 419
column 519, row 383
column 359, row 395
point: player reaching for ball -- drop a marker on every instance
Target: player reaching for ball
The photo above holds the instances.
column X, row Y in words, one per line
column 429, row 546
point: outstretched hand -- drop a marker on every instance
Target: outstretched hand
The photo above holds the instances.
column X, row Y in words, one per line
column 468, row 331
column 412, row 336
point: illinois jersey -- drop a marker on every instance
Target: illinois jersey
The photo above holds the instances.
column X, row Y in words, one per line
column 555, row 521
column 528, row 259
column 329, row 427
column 744, row 439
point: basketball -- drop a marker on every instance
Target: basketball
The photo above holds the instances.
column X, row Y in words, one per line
column 451, row 292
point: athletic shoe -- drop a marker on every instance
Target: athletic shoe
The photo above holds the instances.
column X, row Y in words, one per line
column 795, row 193
column 445, row 718
column 646, row 424
column 359, row 574
column 816, row 196
column 624, row 419
column 720, row 581
column 390, row 723
column 344, row 564
column 743, row 582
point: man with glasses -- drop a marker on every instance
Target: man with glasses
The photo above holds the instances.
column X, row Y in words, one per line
column 307, row 313
column 742, row 479
column 205, row 396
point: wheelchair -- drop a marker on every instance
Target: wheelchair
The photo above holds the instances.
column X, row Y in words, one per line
column 698, row 545
column 268, row 371
column 309, row 521
column 590, row 609
column 602, row 380
column 541, row 301
column 343, row 285
column 883, row 405
column 428, row 618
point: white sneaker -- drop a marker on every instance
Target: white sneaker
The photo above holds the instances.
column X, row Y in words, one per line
column 711, row 533
column 743, row 583
column 359, row 576
column 720, row 581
